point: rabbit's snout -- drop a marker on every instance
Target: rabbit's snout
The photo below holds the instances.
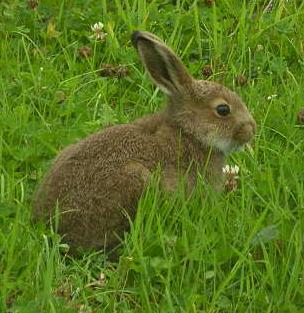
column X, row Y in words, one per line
column 245, row 132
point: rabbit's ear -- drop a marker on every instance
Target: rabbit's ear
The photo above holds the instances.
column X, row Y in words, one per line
column 164, row 67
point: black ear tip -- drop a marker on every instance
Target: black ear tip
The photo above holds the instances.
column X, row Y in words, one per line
column 135, row 37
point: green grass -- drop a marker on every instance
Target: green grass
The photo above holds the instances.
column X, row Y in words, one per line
column 237, row 252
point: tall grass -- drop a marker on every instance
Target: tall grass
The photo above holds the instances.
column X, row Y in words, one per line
column 235, row 252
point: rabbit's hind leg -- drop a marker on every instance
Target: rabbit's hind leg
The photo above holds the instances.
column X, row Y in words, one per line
column 105, row 217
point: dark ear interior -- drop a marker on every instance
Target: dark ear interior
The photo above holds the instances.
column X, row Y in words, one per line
column 164, row 67
column 134, row 38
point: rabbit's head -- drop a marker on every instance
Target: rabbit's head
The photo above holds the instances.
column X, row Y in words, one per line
column 213, row 114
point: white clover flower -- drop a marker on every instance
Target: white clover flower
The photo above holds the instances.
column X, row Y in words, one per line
column 272, row 97
column 231, row 177
column 234, row 170
column 97, row 31
column 231, row 170
column 259, row 47
column 226, row 169
column 97, row 27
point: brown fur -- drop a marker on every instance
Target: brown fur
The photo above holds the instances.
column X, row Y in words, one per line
column 99, row 179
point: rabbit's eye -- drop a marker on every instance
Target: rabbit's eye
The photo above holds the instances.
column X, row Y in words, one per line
column 223, row 109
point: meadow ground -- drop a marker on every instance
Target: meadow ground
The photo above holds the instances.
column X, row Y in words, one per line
column 235, row 252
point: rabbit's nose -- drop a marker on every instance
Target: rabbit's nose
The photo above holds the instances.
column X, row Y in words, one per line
column 245, row 131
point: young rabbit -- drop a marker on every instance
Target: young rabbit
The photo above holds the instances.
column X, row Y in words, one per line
column 95, row 181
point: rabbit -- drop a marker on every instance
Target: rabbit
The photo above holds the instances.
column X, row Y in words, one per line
column 96, row 183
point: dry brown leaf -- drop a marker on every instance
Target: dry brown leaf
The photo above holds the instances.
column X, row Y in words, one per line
column 241, row 80
column 32, row 4
column 207, row 71
column 85, row 51
column 300, row 117
column 111, row 70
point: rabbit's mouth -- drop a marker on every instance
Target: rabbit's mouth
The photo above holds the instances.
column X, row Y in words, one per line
column 227, row 146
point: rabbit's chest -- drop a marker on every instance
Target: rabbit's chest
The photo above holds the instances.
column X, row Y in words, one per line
column 173, row 177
